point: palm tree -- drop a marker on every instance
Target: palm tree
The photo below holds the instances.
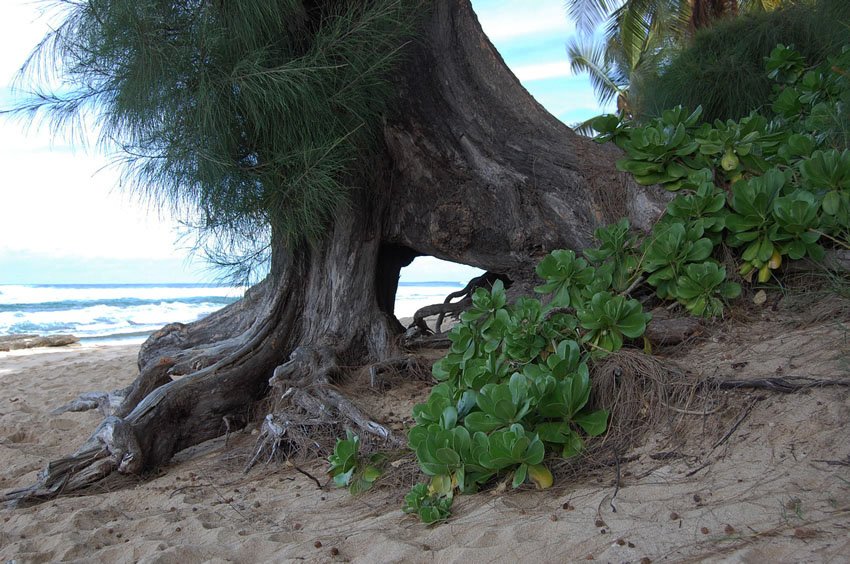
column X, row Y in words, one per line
column 636, row 36
column 631, row 45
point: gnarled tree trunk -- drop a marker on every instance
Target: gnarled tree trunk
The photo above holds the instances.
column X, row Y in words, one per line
column 475, row 171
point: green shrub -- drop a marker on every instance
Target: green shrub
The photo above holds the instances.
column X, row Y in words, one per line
column 722, row 68
column 347, row 469
column 787, row 181
column 516, row 381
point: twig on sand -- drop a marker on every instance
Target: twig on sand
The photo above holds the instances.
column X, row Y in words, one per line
column 616, row 484
column 312, row 477
column 737, row 423
column 728, row 433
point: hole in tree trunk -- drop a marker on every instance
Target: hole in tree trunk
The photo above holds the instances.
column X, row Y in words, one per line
column 437, row 289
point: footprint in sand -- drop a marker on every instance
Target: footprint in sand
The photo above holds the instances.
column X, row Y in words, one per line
column 88, row 519
column 19, row 436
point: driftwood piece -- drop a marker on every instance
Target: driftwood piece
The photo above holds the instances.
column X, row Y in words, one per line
column 16, row 342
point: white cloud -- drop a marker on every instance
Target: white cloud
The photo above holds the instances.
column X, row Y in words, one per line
column 66, row 203
column 543, row 71
column 505, row 19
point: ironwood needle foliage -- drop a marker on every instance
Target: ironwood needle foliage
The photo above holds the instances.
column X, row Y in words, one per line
column 245, row 117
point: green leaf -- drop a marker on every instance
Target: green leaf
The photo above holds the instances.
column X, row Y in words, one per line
column 831, row 202
column 520, row 475
column 449, row 417
column 574, row 447
column 448, row 457
column 341, row 480
column 480, row 421
column 593, row 423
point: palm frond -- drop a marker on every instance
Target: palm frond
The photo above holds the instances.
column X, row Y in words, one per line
column 585, row 128
column 590, row 14
column 588, row 57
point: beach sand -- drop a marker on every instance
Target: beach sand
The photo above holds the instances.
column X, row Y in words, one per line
column 777, row 490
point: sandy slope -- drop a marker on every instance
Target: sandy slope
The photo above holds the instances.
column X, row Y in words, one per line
column 778, row 490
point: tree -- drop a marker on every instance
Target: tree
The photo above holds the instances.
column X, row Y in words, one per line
column 638, row 37
column 466, row 167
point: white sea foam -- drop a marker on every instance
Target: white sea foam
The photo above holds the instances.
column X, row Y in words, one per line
column 61, row 293
column 102, row 320
column 125, row 311
column 92, row 311
column 410, row 298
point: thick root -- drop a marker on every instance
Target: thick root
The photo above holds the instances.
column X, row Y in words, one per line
column 113, row 448
column 105, row 402
column 454, row 309
column 310, row 411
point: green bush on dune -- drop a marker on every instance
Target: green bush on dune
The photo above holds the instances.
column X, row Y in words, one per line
column 722, row 68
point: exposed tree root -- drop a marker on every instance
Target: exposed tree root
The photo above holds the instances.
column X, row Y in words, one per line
column 408, row 363
column 113, row 446
column 174, row 414
column 784, row 385
column 105, row 402
column 310, row 411
column 454, row 309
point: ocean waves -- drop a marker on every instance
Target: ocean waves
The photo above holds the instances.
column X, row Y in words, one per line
column 107, row 311
column 126, row 312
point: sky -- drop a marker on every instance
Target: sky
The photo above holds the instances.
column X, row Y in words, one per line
column 65, row 219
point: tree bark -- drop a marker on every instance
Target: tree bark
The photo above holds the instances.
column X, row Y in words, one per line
column 474, row 171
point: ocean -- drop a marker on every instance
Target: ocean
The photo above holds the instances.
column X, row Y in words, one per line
column 128, row 313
